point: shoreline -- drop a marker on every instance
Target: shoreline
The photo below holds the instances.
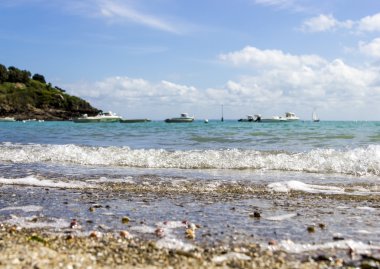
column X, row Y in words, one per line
column 124, row 229
column 37, row 248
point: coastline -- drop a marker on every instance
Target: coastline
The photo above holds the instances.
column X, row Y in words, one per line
column 35, row 248
column 42, row 235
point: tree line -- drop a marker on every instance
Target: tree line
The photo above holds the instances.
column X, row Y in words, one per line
column 15, row 75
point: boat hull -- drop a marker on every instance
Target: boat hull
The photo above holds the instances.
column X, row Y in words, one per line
column 134, row 120
column 89, row 120
column 179, row 120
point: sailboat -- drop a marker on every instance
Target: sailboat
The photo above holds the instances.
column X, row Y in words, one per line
column 315, row 117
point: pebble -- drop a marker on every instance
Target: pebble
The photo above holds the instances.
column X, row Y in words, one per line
column 124, row 234
column 125, row 220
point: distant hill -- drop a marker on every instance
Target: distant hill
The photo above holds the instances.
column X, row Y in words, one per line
column 29, row 97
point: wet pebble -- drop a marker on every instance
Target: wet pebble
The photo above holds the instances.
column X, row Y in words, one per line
column 125, row 220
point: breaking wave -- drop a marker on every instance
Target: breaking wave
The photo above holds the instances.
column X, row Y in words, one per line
column 358, row 161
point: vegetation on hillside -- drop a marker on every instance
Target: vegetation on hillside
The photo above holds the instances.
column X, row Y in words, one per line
column 24, row 96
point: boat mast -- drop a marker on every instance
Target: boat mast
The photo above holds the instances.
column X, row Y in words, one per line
column 222, row 114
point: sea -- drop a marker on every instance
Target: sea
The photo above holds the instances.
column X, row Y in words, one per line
column 294, row 186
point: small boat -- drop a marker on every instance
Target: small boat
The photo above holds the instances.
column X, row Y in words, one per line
column 272, row 119
column 249, row 118
column 184, row 118
column 101, row 117
column 206, row 121
column 315, row 117
column 7, row 119
column 134, row 120
column 290, row 116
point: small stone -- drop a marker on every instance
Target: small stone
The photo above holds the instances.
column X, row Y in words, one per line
column 159, row 232
column 255, row 214
column 74, row 224
column 94, row 234
column 322, row 226
column 337, row 237
column 311, row 229
column 272, row 242
column 124, row 234
column 190, row 233
column 125, row 220
column 69, row 237
column 91, row 209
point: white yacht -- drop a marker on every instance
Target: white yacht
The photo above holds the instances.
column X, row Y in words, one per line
column 290, row 116
column 184, row 118
column 315, row 117
column 101, row 117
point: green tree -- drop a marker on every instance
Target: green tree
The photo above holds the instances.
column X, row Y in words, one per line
column 3, row 73
column 39, row 78
column 17, row 75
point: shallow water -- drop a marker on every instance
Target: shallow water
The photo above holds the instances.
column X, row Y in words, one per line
column 297, row 175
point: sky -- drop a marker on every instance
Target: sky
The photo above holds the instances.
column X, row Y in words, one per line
column 159, row 58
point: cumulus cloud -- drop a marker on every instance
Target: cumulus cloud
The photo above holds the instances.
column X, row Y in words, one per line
column 323, row 23
column 305, row 80
column 129, row 90
column 327, row 22
column 371, row 49
column 274, row 81
column 369, row 23
column 270, row 58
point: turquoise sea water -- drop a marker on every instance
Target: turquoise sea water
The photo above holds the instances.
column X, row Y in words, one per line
column 180, row 167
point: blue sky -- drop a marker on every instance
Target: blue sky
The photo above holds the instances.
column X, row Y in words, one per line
column 158, row 58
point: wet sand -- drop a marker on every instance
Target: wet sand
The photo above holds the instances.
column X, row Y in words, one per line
column 30, row 248
column 125, row 227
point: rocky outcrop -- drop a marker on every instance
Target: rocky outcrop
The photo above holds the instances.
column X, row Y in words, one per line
column 37, row 100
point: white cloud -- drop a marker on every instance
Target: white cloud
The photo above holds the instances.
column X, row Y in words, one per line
column 323, row 23
column 280, row 79
column 319, row 24
column 371, row 49
column 369, row 23
column 110, row 10
column 274, row 82
column 270, row 58
column 120, row 11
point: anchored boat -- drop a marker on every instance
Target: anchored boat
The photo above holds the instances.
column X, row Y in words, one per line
column 184, row 118
column 101, row 117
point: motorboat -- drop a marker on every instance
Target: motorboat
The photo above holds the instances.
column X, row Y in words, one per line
column 271, row 119
column 249, row 118
column 101, row 117
column 183, row 118
column 7, row 119
column 290, row 116
column 134, row 120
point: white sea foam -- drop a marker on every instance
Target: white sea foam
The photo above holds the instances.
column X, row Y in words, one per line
column 27, row 208
column 292, row 247
column 33, row 181
column 300, row 186
column 170, row 242
column 358, row 161
column 230, row 256
column 29, row 222
column 281, row 217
